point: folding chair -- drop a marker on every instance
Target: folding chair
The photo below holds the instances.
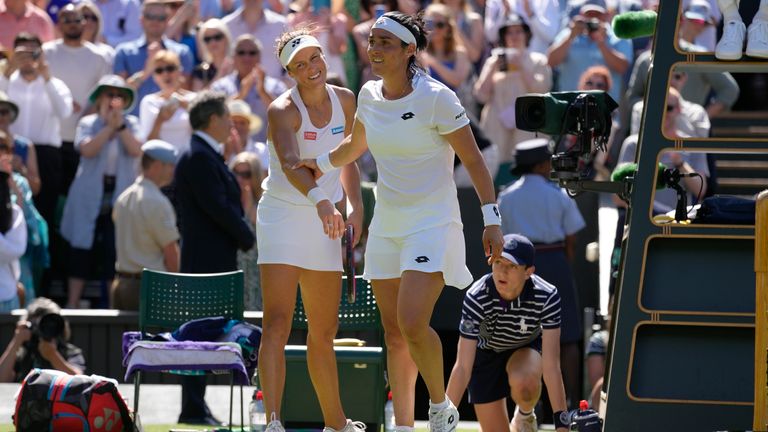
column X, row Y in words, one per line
column 168, row 300
column 361, row 369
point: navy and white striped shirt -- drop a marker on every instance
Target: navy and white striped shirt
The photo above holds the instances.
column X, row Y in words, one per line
column 500, row 325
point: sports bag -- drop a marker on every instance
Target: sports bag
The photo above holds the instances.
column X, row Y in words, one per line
column 53, row 400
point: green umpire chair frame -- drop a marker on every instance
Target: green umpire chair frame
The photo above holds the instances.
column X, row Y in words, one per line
column 168, row 300
column 362, row 379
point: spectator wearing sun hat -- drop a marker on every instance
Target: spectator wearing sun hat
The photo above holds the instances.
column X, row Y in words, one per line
column 540, row 210
column 145, row 226
column 108, row 151
column 247, row 125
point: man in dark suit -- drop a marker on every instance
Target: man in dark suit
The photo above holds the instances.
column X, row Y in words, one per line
column 213, row 226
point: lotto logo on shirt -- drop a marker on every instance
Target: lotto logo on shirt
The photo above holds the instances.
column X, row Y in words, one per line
column 312, row 136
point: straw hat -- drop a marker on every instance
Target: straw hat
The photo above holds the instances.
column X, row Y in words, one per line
column 239, row 108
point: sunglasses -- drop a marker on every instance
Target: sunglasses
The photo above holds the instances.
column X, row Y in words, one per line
column 216, row 37
column 432, row 24
column 251, row 53
column 88, row 17
column 72, row 20
column 168, row 69
column 153, row 17
column 243, row 174
column 5, row 111
column 598, row 85
column 114, row 94
column 671, row 108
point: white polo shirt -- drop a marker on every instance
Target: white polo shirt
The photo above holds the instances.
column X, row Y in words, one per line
column 415, row 188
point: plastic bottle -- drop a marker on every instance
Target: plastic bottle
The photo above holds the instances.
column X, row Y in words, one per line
column 389, row 414
column 257, row 413
column 586, row 419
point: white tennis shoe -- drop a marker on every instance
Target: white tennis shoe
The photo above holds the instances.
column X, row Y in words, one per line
column 522, row 423
column 757, row 39
column 351, row 426
column 274, row 425
column 731, row 44
column 445, row 420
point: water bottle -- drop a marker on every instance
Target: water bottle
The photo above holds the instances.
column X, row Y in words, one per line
column 586, row 419
column 389, row 414
column 257, row 413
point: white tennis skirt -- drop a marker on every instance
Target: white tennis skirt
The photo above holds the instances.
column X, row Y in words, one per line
column 292, row 234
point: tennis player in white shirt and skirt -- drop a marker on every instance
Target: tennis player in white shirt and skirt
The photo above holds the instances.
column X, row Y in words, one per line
column 413, row 126
column 299, row 228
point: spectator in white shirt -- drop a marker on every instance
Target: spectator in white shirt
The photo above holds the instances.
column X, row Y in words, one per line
column 163, row 115
column 92, row 29
column 120, row 20
column 66, row 57
column 43, row 101
column 542, row 16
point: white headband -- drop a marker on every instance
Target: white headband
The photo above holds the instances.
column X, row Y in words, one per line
column 397, row 29
column 295, row 45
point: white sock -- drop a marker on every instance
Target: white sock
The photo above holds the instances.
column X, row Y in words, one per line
column 404, row 428
column 730, row 10
column 439, row 406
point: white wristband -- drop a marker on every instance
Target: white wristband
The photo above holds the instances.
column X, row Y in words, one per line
column 324, row 163
column 316, row 195
column 491, row 214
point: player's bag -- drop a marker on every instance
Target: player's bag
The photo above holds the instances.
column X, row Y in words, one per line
column 56, row 401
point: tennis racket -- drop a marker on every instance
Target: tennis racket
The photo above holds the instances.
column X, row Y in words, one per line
column 349, row 272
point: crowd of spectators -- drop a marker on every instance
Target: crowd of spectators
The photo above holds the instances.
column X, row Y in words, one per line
column 84, row 84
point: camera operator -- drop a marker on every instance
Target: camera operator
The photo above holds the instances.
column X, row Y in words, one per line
column 40, row 341
column 589, row 41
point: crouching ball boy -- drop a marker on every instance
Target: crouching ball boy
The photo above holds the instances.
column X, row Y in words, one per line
column 510, row 337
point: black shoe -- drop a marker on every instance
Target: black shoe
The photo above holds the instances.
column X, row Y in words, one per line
column 208, row 421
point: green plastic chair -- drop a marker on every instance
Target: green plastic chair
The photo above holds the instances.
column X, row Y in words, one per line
column 168, row 300
column 364, row 366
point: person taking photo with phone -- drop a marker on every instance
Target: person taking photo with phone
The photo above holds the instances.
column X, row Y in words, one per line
column 299, row 227
column 28, row 82
column 414, row 126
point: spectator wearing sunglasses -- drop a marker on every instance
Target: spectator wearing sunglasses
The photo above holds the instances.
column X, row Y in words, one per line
column 92, row 30
column 132, row 59
column 263, row 24
column 66, row 57
column 163, row 115
column 214, row 46
column 250, row 82
column 121, row 20
column 109, row 148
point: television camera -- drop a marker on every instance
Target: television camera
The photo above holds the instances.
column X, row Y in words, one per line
column 585, row 115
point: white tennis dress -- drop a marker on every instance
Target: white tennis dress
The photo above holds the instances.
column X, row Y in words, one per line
column 416, row 222
column 288, row 230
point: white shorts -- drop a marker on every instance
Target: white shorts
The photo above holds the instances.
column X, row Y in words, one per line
column 292, row 234
column 438, row 249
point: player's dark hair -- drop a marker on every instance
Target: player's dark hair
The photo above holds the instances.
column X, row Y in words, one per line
column 414, row 24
